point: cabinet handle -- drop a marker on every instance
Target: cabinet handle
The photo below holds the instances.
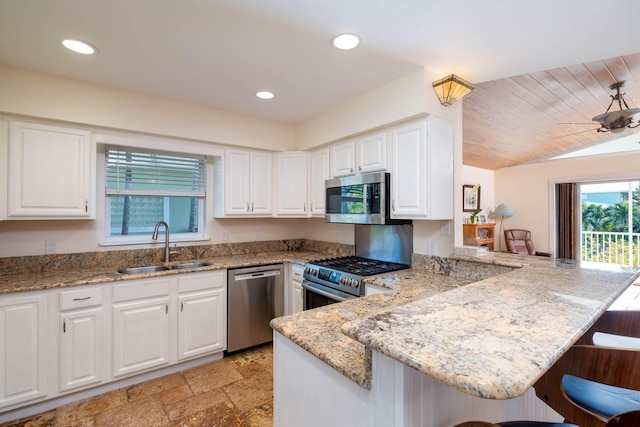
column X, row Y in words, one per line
column 181, row 305
column 311, row 207
column 360, row 167
column 86, row 206
column 64, row 327
column 247, row 206
column 82, row 299
column 251, row 206
column 393, row 205
column 304, row 207
column 351, row 169
column 166, row 308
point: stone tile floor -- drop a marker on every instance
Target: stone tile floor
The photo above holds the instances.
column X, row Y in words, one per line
column 236, row 391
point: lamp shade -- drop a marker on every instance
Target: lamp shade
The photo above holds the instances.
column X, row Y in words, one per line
column 451, row 88
column 503, row 210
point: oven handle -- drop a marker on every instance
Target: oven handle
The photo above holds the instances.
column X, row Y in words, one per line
column 338, row 296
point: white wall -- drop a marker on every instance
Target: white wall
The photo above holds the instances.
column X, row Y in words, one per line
column 527, row 189
column 45, row 96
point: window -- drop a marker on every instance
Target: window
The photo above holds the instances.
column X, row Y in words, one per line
column 143, row 187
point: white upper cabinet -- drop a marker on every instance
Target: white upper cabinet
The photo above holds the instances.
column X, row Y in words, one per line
column 4, row 167
column 422, row 163
column 367, row 153
column 291, row 183
column 319, row 172
column 372, row 152
column 51, row 172
column 343, row 159
column 247, row 188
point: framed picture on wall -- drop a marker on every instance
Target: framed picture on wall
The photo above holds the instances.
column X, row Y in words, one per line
column 470, row 198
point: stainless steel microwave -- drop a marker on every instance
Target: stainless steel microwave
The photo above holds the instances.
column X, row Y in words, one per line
column 359, row 199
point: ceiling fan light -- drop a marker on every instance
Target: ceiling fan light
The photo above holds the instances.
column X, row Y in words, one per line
column 451, row 88
column 617, row 121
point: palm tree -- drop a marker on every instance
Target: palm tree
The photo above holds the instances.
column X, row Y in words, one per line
column 595, row 218
column 619, row 216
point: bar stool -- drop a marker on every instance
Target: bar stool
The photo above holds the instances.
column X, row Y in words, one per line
column 627, row 419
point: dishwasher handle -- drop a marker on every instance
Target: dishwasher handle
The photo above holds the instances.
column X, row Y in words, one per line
column 256, row 275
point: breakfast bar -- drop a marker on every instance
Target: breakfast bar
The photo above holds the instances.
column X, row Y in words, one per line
column 436, row 350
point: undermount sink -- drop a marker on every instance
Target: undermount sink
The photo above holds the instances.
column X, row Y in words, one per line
column 141, row 270
column 191, row 265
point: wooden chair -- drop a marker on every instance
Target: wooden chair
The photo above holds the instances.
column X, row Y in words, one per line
column 627, row 419
column 586, row 385
column 519, row 242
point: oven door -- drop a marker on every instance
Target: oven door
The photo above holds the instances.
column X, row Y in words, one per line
column 315, row 295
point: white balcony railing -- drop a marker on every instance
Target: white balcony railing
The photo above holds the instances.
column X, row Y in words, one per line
column 613, row 248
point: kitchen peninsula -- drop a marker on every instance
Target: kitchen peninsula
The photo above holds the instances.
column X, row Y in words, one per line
column 437, row 350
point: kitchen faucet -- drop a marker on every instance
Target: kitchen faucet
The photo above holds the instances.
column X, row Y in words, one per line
column 166, row 238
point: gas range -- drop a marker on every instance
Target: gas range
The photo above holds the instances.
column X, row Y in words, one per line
column 345, row 274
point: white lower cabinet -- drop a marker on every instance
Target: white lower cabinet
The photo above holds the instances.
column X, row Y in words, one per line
column 295, row 288
column 140, row 326
column 202, row 314
column 81, row 338
column 23, row 348
column 58, row 342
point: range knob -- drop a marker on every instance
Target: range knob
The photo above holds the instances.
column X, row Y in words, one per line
column 343, row 280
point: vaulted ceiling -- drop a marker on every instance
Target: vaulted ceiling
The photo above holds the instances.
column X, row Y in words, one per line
column 539, row 115
column 219, row 53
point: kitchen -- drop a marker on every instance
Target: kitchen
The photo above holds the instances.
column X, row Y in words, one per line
column 62, row 100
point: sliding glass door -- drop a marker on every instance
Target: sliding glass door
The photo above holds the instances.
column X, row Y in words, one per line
column 610, row 222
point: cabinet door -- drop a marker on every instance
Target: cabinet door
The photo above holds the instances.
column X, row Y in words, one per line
column 23, row 350
column 440, row 137
column 291, row 184
column 237, row 184
column 81, row 359
column 261, row 183
column 343, row 159
column 372, row 152
column 140, row 335
column 51, row 172
column 408, row 184
column 4, row 167
column 318, row 174
column 201, row 323
column 295, row 288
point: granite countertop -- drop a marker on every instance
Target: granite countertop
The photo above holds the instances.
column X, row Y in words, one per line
column 493, row 338
column 22, row 282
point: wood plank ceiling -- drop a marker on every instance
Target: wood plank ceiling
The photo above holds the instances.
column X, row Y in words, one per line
column 538, row 115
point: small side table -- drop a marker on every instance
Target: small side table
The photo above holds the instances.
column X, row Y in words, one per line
column 479, row 234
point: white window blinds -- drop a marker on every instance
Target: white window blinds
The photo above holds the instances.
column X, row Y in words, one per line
column 140, row 172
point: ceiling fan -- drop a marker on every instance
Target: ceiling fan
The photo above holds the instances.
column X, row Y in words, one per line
column 617, row 121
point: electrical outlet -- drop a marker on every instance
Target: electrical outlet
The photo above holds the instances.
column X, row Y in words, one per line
column 431, row 247
column 49, row 246
column 258, row 235
column 225, row 237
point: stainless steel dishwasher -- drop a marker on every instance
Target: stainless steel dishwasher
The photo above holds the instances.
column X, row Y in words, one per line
column 255, row 296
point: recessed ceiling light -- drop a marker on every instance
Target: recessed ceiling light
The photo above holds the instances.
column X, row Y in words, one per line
column 265, row 95
column 79, row 46
column 346, row 41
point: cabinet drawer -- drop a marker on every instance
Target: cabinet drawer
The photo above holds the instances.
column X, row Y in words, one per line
column 147, row 288
column 200, row 281
column 80, row 298
column 297, row 271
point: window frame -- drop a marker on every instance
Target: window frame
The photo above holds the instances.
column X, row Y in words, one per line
column 203, row 202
